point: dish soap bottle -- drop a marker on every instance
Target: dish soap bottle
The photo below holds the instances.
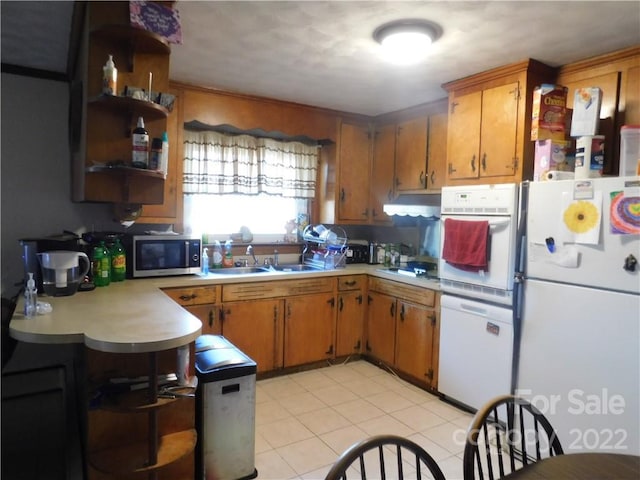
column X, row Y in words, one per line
column 140, row 141
column 217, row 255
column 30, row 298
column 109, row 77
column 205, row 261
column 227, row 261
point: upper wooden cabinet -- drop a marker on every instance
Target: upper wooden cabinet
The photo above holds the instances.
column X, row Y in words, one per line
column 354, row 157
column 101, row 134
column 382, row 168
column 488, row 136
column 411, row 154
column 170, row 210
column 437, row 151
column 618, row 75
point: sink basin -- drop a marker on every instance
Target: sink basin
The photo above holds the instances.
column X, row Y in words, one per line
column 297, row 267
column 239, row 270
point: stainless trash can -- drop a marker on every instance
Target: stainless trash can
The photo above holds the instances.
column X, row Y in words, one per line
column 225, row 410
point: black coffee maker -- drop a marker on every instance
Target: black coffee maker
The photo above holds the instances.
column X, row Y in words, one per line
column 32, row 246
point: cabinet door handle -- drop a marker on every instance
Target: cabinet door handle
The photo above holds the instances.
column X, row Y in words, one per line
column 433, row 177
column 350, row 283
column 342, row 194
column 484, row 161
column 402, row 313
column 332, row 302
column 392, row 310
column 186, row 298
column 359, row 299
column 473, row 163
column 422, row 179
column 340, row 304
column 212, row 317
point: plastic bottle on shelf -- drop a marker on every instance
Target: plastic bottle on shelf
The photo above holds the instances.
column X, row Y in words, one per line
column 217, row 255
column 164, row 157
column 140, row 144
column 118, row 262
column 30, row 298
column 109, row 77
column 227, row 261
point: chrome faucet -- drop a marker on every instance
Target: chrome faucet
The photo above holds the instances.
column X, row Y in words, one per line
column 276, row 257
column 250, row 252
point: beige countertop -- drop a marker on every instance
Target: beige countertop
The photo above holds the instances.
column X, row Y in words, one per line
column 135, row 316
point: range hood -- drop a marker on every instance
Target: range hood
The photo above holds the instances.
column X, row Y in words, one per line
column 414, row 205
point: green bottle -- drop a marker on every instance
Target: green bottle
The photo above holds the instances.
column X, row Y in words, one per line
column 101, row 264
column 118, row 262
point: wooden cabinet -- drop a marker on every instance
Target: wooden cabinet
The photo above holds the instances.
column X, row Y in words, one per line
column 255, row 327
column 294, row 318
column 101, row 135
column 351, row 314
column 489, row 124
column 203, row 302
column 411, row 154
column 382, row 173
column 381, row 327
column 170, row 211
column 618, row 75
column 437, row 151
column 309, row 329
column 403, row 329
column 354, row 155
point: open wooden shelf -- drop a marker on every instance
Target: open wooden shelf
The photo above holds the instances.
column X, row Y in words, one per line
column 139, row 40
column 128, row 105
column 127, row 459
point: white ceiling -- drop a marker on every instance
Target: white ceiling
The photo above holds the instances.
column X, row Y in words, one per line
column 323, row 53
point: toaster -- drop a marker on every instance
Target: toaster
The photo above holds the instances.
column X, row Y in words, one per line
column 357, row 253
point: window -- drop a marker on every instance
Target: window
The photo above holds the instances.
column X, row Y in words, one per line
column 232, row 181
column 221, row 215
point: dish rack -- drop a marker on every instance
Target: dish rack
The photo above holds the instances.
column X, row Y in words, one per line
column 325, row 248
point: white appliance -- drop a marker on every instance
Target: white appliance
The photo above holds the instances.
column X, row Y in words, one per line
column 579, row 356
column 476, row 326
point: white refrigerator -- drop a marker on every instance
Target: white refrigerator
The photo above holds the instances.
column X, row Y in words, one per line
column 579, row 357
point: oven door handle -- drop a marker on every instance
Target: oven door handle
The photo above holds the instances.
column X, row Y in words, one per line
column 498, row 224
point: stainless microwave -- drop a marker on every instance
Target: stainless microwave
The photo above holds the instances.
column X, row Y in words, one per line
column 162, row 255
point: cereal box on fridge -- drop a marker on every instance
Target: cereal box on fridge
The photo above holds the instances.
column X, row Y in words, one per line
column 548, row 120
column 586, row 111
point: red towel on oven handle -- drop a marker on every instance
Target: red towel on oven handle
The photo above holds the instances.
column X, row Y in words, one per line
column 466, row 244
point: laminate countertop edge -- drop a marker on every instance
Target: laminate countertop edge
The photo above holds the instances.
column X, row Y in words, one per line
column 135, row 316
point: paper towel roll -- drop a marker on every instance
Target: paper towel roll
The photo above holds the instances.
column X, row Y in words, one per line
column 559, row 175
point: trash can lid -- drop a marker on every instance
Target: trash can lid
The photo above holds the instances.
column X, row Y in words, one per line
column 207, row 342
column 218, row 359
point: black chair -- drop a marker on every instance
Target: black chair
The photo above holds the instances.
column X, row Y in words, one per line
column 507, row 434
column 385, row 456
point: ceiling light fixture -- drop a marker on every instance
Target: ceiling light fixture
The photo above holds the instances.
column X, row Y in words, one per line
column 406, row 42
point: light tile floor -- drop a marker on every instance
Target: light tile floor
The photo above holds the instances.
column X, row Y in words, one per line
column 304, row 421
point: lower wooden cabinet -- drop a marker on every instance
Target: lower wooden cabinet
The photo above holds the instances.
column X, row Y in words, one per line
column 381, row 327
column 351, row 311
column 309, row 329
column 255, row 327
column 403, row 329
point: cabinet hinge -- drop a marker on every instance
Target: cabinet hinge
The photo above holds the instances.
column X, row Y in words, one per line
column 433, row 320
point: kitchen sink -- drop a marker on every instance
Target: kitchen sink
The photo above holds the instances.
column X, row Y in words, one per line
column 297, row 267
column 240, row 270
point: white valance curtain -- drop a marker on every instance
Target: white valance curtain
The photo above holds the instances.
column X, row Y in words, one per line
column 219, row 163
